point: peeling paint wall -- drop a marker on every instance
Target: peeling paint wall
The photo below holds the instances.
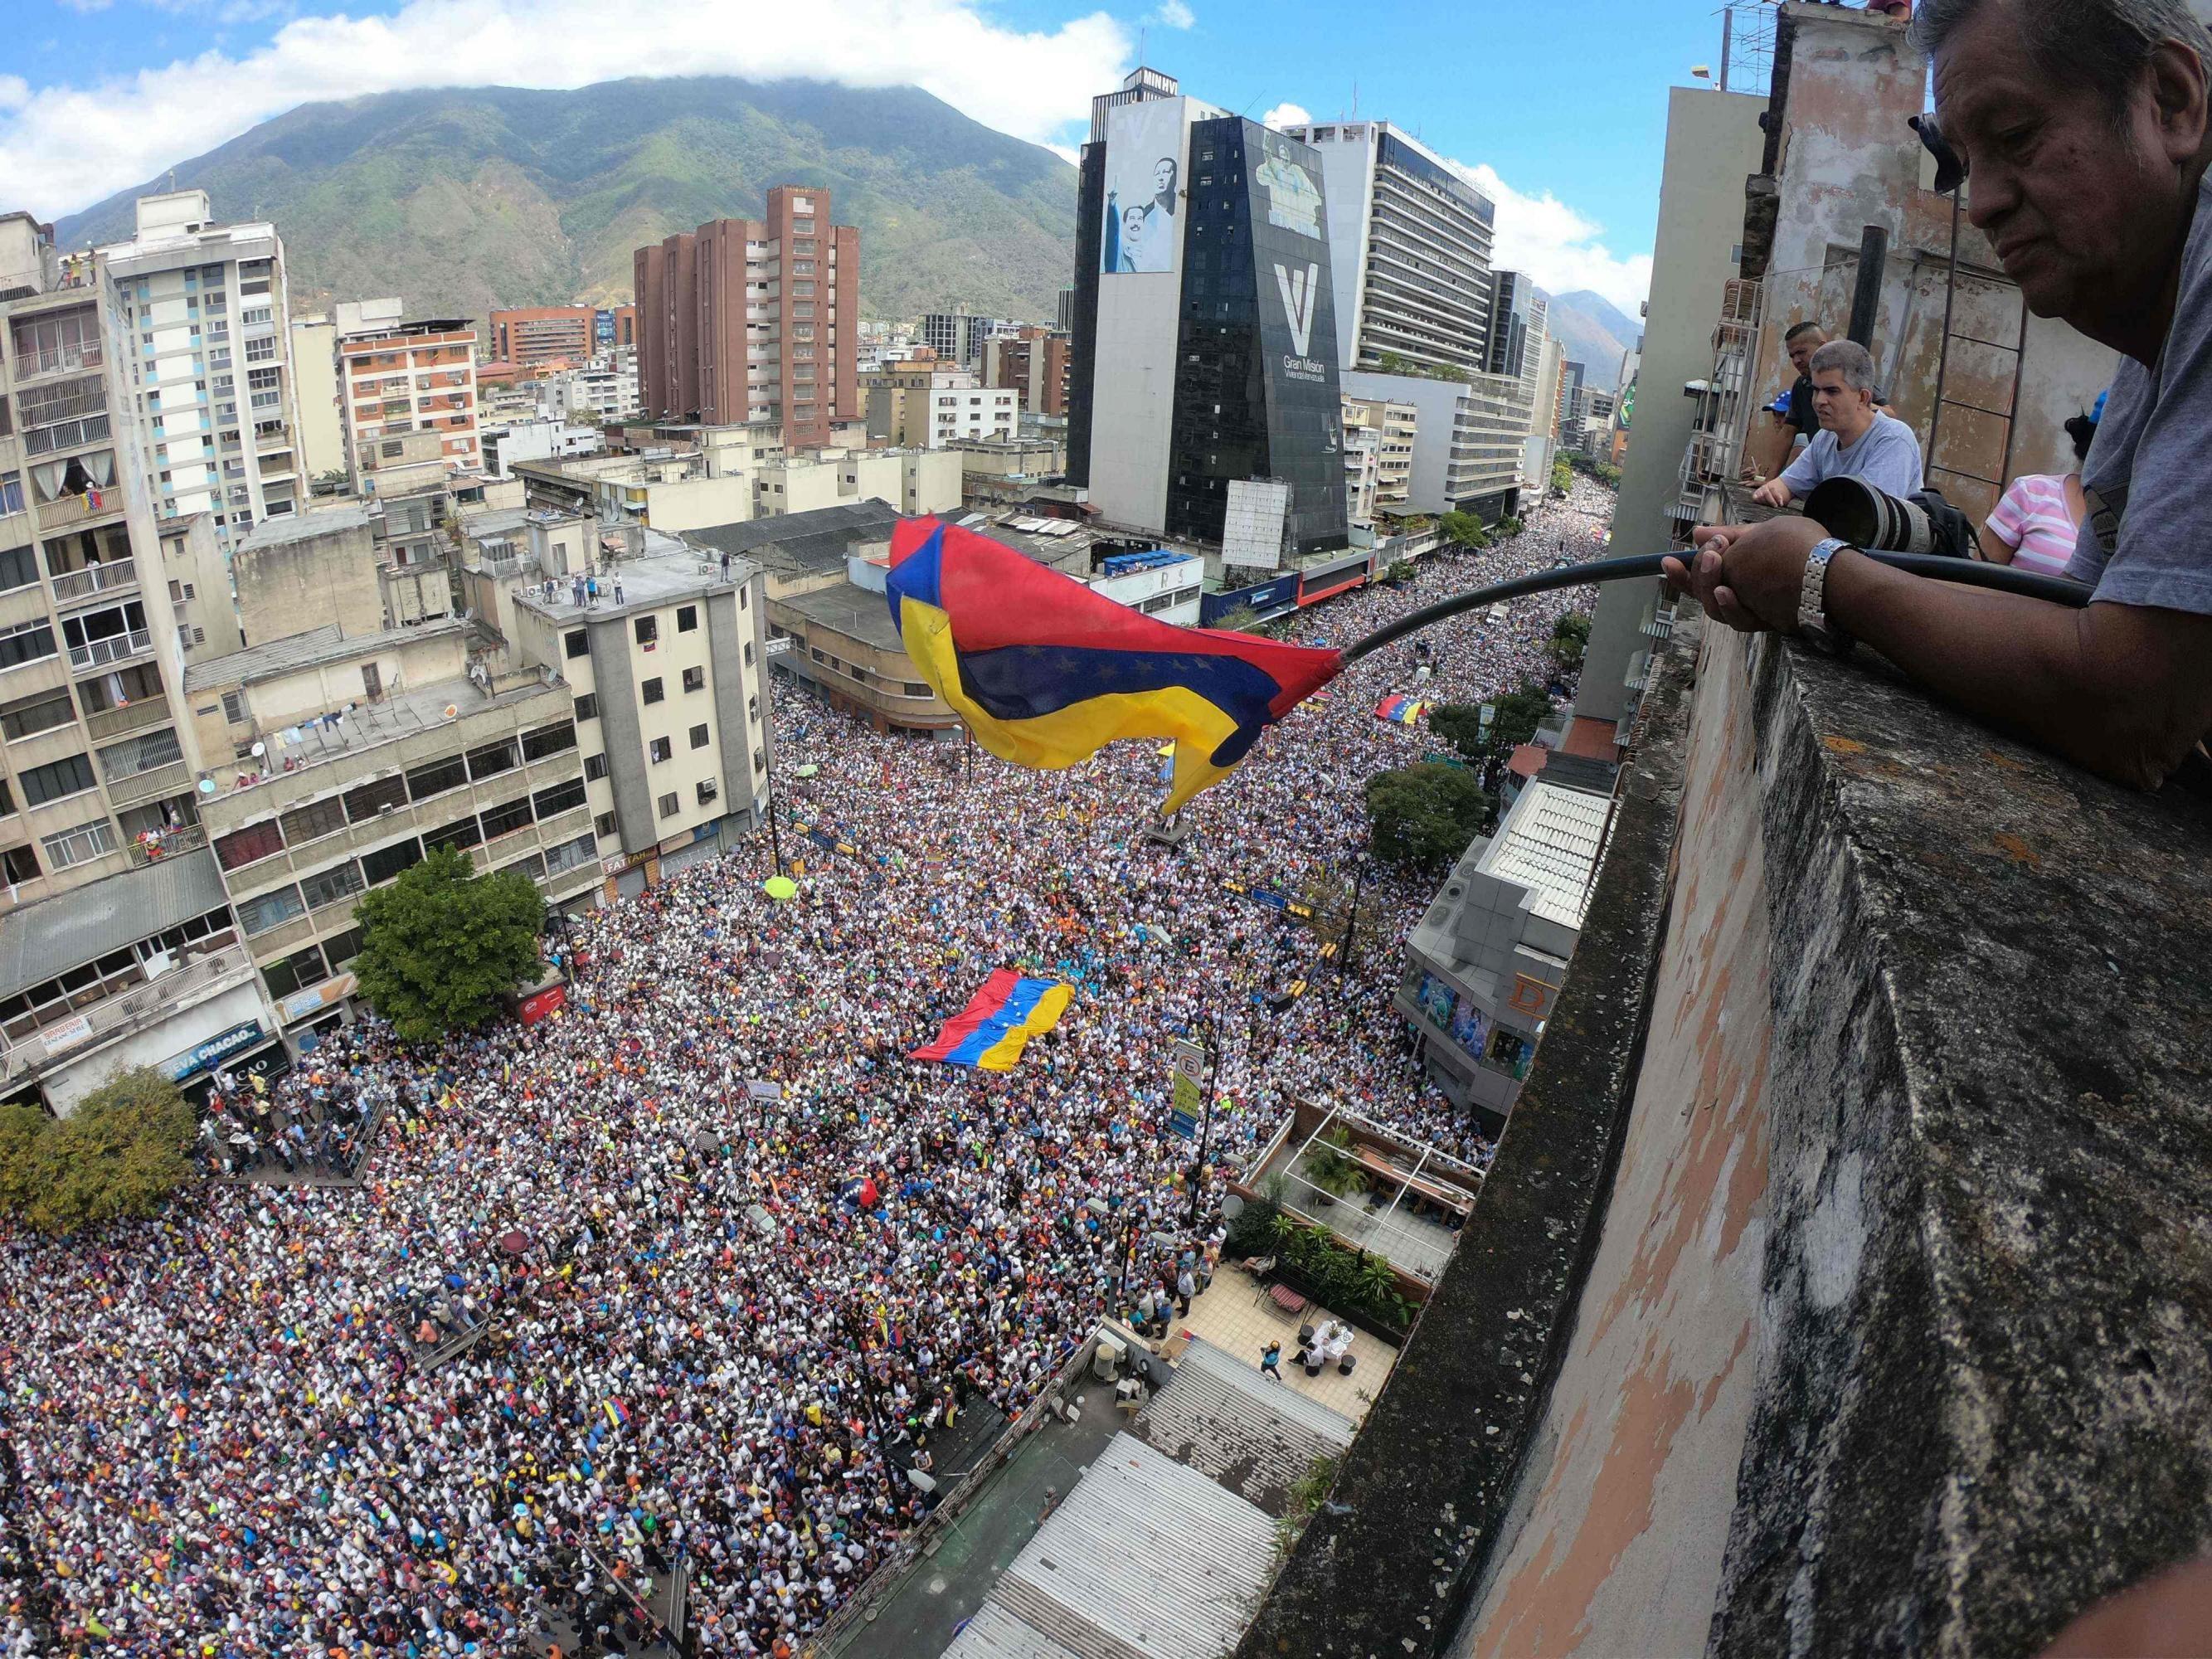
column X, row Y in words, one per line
column 1615, row 1543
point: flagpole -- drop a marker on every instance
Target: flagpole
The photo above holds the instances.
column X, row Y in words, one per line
column 1972, row 573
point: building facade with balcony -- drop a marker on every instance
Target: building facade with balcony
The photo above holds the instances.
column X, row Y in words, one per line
column 202, row 311
column 398, row 375
column 352, row 756
column 93, row 772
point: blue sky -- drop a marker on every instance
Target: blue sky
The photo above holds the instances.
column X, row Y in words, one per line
column 1564, row 107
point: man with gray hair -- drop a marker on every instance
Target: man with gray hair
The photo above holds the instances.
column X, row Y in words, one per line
column 2085, row 127
column 1856, row 439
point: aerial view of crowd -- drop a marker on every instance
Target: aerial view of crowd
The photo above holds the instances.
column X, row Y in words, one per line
column 694, row 1269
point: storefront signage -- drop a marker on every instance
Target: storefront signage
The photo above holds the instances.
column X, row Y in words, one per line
column 328, row 994
column 539, row 1004
column 205, row 1056
column 71, row 1031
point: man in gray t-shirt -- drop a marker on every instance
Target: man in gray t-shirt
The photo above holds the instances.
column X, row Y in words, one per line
column 2090, row 144
column 1855, row 439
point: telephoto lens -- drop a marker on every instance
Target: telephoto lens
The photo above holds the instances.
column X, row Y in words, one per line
column 1853, row 510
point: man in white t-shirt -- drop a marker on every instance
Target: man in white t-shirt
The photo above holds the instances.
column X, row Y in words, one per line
column 1856, row 439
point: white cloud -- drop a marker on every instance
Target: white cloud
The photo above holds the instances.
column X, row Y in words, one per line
column 1556, row 245
column 1286, row 115
column 1175, row 15
column 87, row 5
column 65, row 147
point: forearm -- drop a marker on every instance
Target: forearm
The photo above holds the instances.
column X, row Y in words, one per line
column 2037, row 668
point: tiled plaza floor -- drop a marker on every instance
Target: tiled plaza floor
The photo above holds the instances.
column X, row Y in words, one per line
column 1231, row 1318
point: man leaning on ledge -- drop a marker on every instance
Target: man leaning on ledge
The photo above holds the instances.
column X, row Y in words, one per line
column 2084, row 128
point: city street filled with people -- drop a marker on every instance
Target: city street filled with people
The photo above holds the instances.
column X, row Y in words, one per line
column 695, row 1268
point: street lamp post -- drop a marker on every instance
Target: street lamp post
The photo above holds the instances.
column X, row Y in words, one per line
column 1205, row 1133
column 1351, row 916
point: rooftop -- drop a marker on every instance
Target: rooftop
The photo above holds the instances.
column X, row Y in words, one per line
column 805, row 541
column 54, row 935
column 317, row 646
column 306, row 526
column 669, row 572
column 855, row 612
column 1549, row 844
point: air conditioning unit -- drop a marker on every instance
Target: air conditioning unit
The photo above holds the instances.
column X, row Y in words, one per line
column 1106, row 1359
column 387, row 809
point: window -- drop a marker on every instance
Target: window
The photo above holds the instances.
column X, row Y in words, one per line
column 555, row 798
column 570, row 853
column 653, row 691
column 234, row 707
column 646, row 629
column 576, row 643
column 604, row 825
column 248, row 845
column 492, row 760
column 687, row 619
column 81, row 845
column 462, row 833
column 915, row 688
column 305, row 823
column 660, row 749
column 506, row 817
column 20, row 864
column 749, row 653
column 753, row 709
column 11, row 493
column 71, row 776
column 330, row 886
column 548, row 740
column 365, row 801
column 709, row 789
column 17, row 568
column 32, row 641
column 384, row 863
column 28, row 716
column 698, row 737
column 741, row 598
column 595, row 766
column 760, row 760
column 259, row 915
column 694, row 680
column 301, row 967
column 436, row 777
column 670, row 806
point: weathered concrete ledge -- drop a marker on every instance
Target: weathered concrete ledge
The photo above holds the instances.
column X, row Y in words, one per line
column 1986, row 1343
column 1858, row 1210
column 1387, row 1561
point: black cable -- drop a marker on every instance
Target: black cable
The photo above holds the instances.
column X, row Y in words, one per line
column 1972, row 573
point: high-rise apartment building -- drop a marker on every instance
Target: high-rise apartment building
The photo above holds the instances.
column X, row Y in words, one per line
column 398, row 376
column 1411, row 241
column 203, row 314
column 754, row 320
column 315, row 392
column 1032, row 362
column 957, row 337
column 543, row 334
column 1203, row 364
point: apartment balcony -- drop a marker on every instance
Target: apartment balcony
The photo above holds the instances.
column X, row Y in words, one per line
column 60, row 513
column 114, row 649
column 62, row 436
column 169, row 779
column 265, row 441
column 131, row 717
column 57, row 360
column 92, row 579
column 189, row 839
column 195, row 981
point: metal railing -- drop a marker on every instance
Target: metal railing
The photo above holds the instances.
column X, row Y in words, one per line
column 115, row 647
column 133, row 1007
column 88, row 580
column 65, row 434
column 185, row 839
column 131, row 717
column 53, row 359
column 69, row 509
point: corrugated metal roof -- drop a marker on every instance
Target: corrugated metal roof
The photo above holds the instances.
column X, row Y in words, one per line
column 995, row 1634
column 817, row 539
column 1143, row 1559
column 1250, row 1433
column 57, row 934
column 1549, row 844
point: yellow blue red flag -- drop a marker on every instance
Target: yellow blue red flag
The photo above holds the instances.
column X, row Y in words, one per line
column 999, row 1021
column 1045, row 672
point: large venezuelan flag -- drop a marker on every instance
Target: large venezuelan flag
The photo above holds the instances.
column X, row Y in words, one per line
column 999, row 1021
column 1045, row 671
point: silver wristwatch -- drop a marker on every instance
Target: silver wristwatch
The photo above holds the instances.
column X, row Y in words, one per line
column 1813, row 622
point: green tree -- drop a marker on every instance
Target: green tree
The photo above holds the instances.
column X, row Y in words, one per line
column 1460, row 725
column 1398, row 570
column 1424, row 816
column 1391, row 363
column 1509, row 527
column 441, row 945
column 1517, row 714
column 122, row 1152
column 1242, row 620
column 1563, row 476
column 1464, row 529
column 1570, row 641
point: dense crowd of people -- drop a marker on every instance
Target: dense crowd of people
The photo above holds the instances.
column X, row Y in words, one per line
column 715, row 1321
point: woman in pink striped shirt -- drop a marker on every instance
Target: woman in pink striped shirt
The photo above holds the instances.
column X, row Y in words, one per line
column 2035, row 525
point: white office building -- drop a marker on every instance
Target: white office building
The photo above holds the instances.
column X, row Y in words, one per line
column 203, row 314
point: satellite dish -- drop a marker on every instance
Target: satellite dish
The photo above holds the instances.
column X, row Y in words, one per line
column 206, row 785
column 259, row 749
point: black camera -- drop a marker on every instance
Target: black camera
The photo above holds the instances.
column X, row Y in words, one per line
column 1853, row 510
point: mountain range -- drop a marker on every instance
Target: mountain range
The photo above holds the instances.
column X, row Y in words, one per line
column 462, row 199
column 1594, row 333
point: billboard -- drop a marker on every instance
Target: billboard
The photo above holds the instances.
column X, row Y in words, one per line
column 1140, row 228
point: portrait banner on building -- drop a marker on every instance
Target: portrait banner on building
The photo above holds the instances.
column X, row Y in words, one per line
column 1141, row 228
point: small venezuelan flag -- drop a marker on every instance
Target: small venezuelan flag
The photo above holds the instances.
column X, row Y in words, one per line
column 1045, row 672
column 999, row 1021
column 1399, row 711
